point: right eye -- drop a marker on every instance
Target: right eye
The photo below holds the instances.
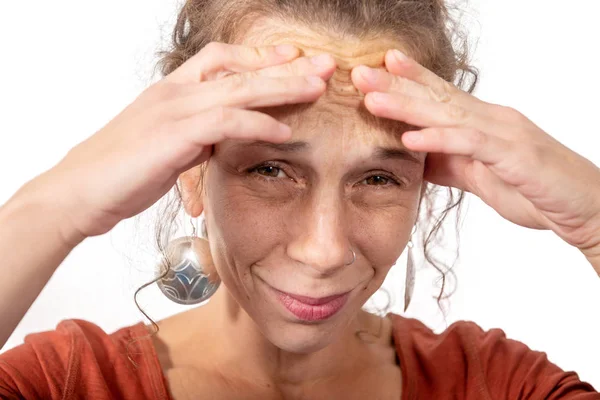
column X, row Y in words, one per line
column 269, row 171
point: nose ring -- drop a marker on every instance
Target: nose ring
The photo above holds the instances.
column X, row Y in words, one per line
column 353, row 257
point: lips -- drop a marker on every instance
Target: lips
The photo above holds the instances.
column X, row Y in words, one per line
column 310, row 308
column 314, row 301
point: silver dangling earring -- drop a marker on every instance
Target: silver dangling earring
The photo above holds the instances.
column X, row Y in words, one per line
column 187, row 274
column 410, row 272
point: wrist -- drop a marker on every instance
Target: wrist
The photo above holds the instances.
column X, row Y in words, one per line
column 34, row 198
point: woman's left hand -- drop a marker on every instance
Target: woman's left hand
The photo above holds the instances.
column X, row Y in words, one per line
column 492, row 151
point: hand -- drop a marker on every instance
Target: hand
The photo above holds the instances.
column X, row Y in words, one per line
column 489, row 150
column 137, row 157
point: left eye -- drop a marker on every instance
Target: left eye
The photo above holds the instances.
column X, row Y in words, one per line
column 270, row 171
column 377, row 180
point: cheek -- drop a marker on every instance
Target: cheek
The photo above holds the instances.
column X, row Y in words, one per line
column 384, row 231
column 246, row 226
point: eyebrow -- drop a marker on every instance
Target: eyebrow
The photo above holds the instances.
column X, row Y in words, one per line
column 288, row 147
column 393, row 153
column 381, row 153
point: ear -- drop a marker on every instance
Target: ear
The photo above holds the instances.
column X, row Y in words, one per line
column 190, row 184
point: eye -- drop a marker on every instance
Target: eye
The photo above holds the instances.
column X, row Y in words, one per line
column 269, row 171
column 379, row 180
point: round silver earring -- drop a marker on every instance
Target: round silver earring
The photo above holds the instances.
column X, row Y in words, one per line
column 186, row 273
column 353, row 257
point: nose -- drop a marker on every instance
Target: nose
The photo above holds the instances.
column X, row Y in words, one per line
column 321, row 234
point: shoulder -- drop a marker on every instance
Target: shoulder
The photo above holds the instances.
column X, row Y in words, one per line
column 467, row 360
column 77, row 357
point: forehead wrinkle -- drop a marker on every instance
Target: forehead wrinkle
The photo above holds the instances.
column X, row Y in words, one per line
column 348, row 51
column 342, row 102
column 341, row 128
column 332, row 117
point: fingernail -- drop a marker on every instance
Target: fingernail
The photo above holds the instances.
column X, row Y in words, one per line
column 321, row 60
column 399, row 55
column 412, row 137
column 379, row 97
column 314, row 80
column 368, row 74
column 286, row 50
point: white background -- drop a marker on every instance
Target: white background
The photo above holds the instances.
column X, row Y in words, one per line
column 68, row 67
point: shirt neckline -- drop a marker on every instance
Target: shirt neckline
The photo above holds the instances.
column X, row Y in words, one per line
column 160, row 384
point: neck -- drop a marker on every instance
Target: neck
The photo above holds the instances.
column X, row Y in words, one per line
column 237, row 347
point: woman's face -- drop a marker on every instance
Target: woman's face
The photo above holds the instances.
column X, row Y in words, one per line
column 286, row 218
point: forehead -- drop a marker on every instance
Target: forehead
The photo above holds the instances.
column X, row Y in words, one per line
column 340, row 112
column 348, row 51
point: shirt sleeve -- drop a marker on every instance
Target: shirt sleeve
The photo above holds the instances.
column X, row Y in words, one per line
column 513, row 371
column 79, row 360
column 23, row 376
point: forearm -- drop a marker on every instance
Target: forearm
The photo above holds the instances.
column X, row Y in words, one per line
column 33, row 244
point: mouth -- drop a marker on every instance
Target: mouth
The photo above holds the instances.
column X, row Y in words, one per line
column 311, row 309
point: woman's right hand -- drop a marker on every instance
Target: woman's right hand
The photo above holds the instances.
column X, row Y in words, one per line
column 137, row 157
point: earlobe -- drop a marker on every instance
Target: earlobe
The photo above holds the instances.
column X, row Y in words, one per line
column 190, row 187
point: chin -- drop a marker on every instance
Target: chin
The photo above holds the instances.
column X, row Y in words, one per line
column 302, row 339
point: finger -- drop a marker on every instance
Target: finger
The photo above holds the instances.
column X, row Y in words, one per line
column 209, row 127
column 438, row 88
column 400, row 64
column 222, row 123
column 238, row 91
column 215, row 57
column 368, row 79
column 511, row 161
column 447, row 170
column 323, row 66
column 472, row 143
column 425, row 113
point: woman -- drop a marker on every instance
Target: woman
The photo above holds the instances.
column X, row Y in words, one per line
column 305, row 132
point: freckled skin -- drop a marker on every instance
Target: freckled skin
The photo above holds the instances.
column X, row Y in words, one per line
column 294, row 232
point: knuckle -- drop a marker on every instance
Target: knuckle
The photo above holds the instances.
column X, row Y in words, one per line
column 239, row 82
column 448, row 88
column 442, row 92
column 247, row 77
column 297, row 67
column 477, row 138
column 257, row 53
column 456, row 113
column 407, row 102
column 214, row 49
column 509, row 114
column 163, row 91
column 398, row 84
column 222, row 75
column 250, row 54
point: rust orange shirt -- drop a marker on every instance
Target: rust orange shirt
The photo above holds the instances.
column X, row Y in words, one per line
column 79, row 360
